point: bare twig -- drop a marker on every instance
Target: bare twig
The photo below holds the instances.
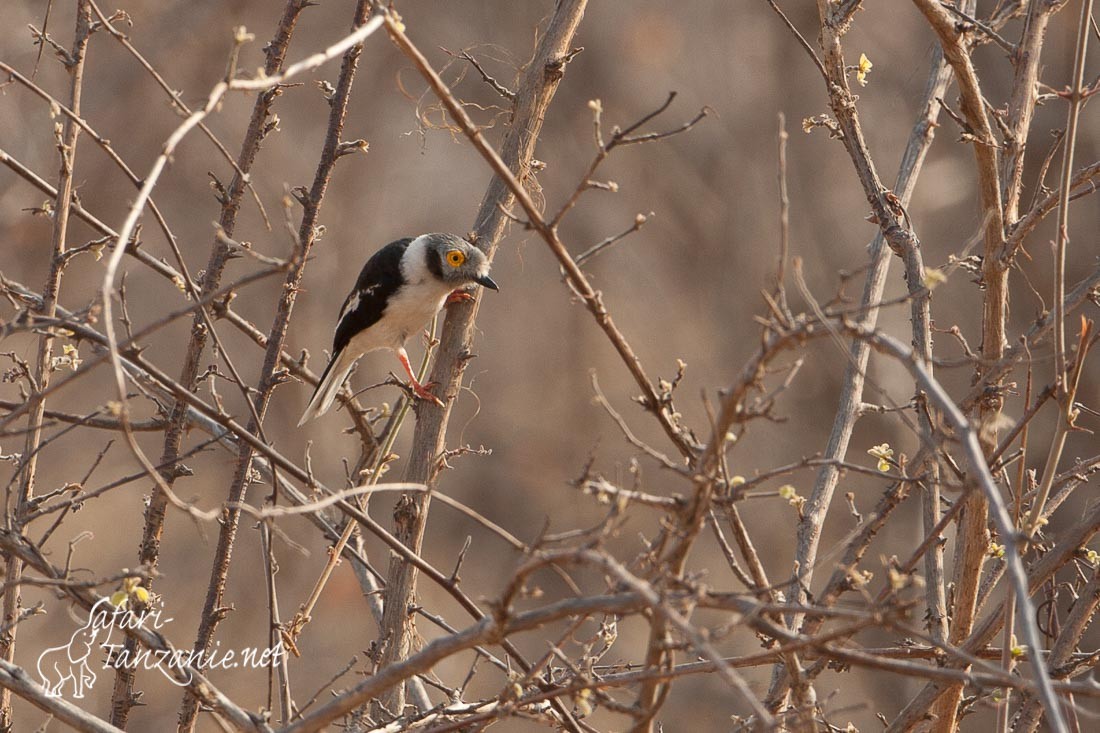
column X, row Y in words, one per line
column 188, row 675
column 202, row 329
column 307, row 235
column 533, row 96
column 891, row 233
column 1066, row 383
column 66, row 138
column 16, row 680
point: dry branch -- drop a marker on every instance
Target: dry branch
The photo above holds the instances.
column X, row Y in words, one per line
column 617, row 621
column 533, row 97
column 891, row 239
column 36, row 405
column 123, row 698
column 212, row 612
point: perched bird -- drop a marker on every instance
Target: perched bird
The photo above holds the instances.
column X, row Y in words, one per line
column 400, row 288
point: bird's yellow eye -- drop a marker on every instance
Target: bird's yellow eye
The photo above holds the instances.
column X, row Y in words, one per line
column 455, row 258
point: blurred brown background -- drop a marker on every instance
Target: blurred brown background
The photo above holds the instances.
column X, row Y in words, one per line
column 685, row 287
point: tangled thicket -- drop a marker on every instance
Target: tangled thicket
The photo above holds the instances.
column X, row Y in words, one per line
column 160, row 360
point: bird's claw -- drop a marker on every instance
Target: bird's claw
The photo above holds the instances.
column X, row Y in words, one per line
column 423, row 391
column 459, row 296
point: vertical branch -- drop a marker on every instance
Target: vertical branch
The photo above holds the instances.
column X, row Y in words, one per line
column 277, row 673
column 1065, row 385
column 1007, row 660
column 66, row 143
column 921, row 326
column 1021, row 105
column 920, row 320
column 536, row 90
column 1077, row 96
column 891, row 236
column 123, row 697
column 213, row 611
column 1021, row 108
column 973, row 535
column 784, row 216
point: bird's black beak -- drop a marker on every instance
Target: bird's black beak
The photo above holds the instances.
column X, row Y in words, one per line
column 487, row 282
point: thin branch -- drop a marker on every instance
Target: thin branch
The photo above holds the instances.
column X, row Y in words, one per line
column 891, row 236
column 801, row 40
column 533, row 97
column 93, row 420
column 66, row 139
column 15, row 679
column 307, row 235
column 639, row 221
column 496, row 85
column 17, row 546
column 240, row 171
column 1065, row 383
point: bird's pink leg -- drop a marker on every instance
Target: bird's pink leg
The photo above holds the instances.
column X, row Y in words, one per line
column 421, row 390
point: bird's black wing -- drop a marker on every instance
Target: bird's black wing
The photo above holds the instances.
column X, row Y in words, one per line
column 378, row 281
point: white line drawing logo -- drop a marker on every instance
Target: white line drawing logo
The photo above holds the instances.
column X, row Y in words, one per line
column 68, row 669
column 69, row 662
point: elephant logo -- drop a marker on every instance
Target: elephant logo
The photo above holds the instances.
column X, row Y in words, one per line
column 68, row 665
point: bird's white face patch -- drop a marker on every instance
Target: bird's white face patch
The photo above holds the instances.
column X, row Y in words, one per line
column 414, row 263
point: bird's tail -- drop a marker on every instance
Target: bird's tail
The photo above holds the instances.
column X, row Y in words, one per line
column 332, row 379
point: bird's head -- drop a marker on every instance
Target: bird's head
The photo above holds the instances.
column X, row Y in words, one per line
column 457, row 262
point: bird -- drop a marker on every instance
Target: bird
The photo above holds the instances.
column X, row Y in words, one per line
column 398, row 291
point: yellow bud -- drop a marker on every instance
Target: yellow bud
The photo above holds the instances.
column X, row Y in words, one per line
column 583, row 701
column 863, row 69
column 933, row 277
